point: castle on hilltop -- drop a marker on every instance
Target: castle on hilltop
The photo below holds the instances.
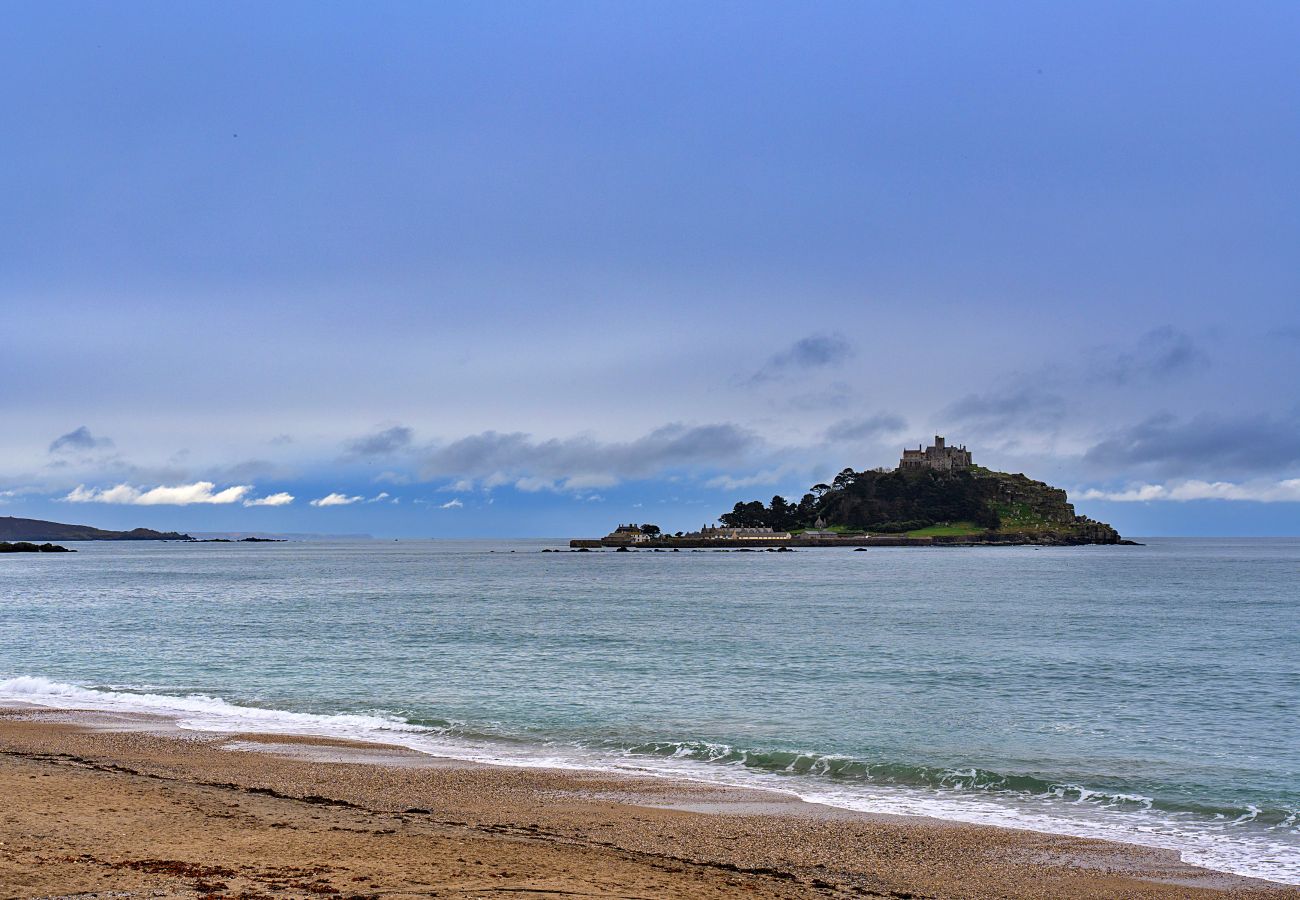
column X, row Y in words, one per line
column 938, row 456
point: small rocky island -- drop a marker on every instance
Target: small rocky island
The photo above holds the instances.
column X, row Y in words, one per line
column 26, row 547
column 936, row 495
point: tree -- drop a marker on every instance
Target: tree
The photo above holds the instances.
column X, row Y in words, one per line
column 652, row 530
column 746, row 515
column 783, row 515
column 807, row 509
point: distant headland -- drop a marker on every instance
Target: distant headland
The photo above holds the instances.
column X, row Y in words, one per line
column 936, row 496
column 15, row 529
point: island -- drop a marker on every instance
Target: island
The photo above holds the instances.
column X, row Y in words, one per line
column 26, row 547
column 16, row 529
column 935, row 496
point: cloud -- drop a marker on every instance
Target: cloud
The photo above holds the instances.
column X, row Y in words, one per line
column 6, row 496
column 379, row 498
column 731, row 482
column 1160, row 353
column 1285, row 491
column 178, row 495
column 493, row 458
column 336, row 499
column 532, row 484
column 381, row 443
column 251, row 470
column 454, row 503
column 280, row 499
column 817, row 351
column 835, row 395
column 1209, row 444
column 1022, row 405
column 588, row 481
column 866, row 428
column 78, row 439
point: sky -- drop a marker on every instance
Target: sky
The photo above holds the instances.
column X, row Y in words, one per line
column 537, row 269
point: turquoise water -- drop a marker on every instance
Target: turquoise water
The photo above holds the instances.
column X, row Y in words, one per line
column 1149, row 694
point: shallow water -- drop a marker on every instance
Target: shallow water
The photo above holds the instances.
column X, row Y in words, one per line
column 1149, row 694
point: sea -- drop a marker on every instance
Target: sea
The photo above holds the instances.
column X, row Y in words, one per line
column 1145, row 694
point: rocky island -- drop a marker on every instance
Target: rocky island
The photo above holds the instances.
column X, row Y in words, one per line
column 936, row 495
column 26, row 547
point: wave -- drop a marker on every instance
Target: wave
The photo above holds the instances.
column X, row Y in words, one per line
column 197, row 711
column 1207, row 834
column 849, row 769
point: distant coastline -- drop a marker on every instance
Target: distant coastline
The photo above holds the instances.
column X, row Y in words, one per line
column 16, row 529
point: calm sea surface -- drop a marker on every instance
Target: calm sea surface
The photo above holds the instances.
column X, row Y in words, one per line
column 1148, row 694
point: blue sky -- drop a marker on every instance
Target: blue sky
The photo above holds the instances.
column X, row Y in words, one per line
column 538, row 268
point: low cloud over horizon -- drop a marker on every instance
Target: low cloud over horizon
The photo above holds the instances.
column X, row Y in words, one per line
column 1287, row 491
column 179, row 495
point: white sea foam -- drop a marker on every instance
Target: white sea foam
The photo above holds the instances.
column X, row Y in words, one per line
column 1224, row 846
column 195, row 711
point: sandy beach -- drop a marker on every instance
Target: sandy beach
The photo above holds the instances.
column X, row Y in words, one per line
column 106, row 805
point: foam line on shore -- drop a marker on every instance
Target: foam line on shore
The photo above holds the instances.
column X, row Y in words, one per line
column 1210, row 845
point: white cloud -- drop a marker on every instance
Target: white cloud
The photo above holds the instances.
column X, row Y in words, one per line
column 454, row 503
column 280, row 499
column 533, row 484
column 163, row 495
column 1286, row 491
column 336, row 499
column 379, row 498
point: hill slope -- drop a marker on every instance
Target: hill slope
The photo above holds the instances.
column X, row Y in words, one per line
column 15, row 529
column 969, row 502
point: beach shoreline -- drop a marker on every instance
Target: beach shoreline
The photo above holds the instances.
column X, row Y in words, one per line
column 133, row 804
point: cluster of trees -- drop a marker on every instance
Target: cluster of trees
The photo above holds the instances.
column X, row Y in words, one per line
column 877, row 501
column 781, row 514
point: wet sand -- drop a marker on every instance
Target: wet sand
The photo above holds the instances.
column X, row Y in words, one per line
column 100, row 805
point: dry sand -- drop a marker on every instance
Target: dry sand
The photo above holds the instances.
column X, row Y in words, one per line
column 93, row 805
